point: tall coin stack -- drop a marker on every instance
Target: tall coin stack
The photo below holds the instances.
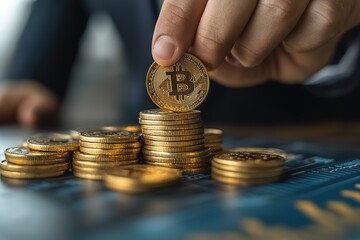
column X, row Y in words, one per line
column 174, row 140
column 248, row 166
column 46, row 156
column 101, row 150
column 213, row 140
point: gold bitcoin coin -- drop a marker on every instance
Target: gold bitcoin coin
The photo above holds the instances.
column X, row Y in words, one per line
column 162, row 115
column 102, row 165
column 180, row 87
column 129, row 128
column 174, row 133
column 106, row 136
column 34, row 168
column 176, row 159
column 141, row 177
column 104, row 158
column 250, row 159
column 199, row 153
column 173, row 139
column 119, row 151
column 174, row 149
column 21, row 153
column 28, row 175
column 53, row 143
column 244, row 181
column 172, row 127
column 247, row 175
column 169, row 122
column 110, row 145
column 173, row 144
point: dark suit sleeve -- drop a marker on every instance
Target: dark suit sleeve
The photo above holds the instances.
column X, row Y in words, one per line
column 49, row 43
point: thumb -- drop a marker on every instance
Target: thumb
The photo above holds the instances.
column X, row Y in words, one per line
column 175, row 29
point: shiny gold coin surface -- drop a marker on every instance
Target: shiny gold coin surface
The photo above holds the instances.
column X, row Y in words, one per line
column 180, row 87
column 181, row 165
column 213, row 132
column 54, row 143
column 174, row 133
column 4, row 165
column 176, row 159
column 174, row 149
column 244, row 181
column 169, row 123
column 250, row 159
column 247, row 175
column 86, row 175
column 274, row 151
column 110, row 145
column 34, row 162
column 28, row 175
column 173, row 144
column 27, row 154
column 106, row 136
column 143, row 175
column 245, row 169
column 160, row 114
column 102, row 165
column 199, row 153
column 172, row 127
column 119, row 151
column 104, row 158
column 173, row 138
column 129, row 128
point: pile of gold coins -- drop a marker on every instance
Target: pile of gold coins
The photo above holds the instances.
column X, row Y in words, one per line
column 248, row 166
column 46, row 156
column 174, row 140
column 213, row 140
column 104, row 149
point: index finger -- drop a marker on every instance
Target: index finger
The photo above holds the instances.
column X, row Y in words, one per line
column 175, row 29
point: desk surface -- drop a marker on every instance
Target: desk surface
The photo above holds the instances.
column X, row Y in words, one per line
column 318, row 199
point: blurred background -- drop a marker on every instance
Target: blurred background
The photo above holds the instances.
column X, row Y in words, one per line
column 100, row 66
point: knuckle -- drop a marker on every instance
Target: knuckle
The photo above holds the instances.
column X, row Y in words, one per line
column 174, row 14
column 326, row 17
column 247, row 56
column 280, row 9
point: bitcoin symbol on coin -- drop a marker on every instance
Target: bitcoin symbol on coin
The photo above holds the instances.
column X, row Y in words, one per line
column 181, row 83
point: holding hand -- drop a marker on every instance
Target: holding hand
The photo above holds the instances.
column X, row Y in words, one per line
column 247, row 42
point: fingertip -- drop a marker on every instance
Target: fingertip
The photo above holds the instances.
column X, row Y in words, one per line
column 165, row 51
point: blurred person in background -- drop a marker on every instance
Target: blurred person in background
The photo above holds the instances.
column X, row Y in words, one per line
column 294, row 61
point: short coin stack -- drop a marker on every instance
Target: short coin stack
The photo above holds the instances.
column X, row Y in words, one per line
column 46, row 157
column 174, row 140
column 247, row 166
column 141, row 178
column 104, row 149
column 213, row 140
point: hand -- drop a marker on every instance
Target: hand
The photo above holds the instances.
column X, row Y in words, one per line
column 247, row 42
column 27, row 103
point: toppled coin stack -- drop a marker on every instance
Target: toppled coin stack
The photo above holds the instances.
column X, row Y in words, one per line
column 46, row 156
column 141, row 178
column 103, row 149
column 174, row 140
column 248, row 166
column 213, row 140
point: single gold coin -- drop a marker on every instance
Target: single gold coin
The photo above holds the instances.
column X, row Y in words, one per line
column 213, row 132
column 102, row 165
column 174, row 133
column 244, row 181
column 177, row 159
column 172, row 127
column 250, row 159
column 104, row 158
column 35, row 162
column 173, row 144
column 86, row 175
column 174, row 149
column 129, row 145
column 163, row 115
column 274, row 151
column 180, row 87
column 53, row 142
column 141, row 176
column 106, row 136
column 169, row 122
column 203, row 152
column 173, row 138
column 119, row 151
column 22, row 153
column 247, row 175
column 28, row 175
column 181, row 165
column 129, row 128
column 245, row 169
column 4, row 165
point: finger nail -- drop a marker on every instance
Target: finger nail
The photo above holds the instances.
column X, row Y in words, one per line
column 164, row 48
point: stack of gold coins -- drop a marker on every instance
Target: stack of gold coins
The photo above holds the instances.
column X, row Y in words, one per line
column 104, row 149
column 23, row 163
column 213, row 140
column 174, row 140
column 141, row 178
column 247, row 166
